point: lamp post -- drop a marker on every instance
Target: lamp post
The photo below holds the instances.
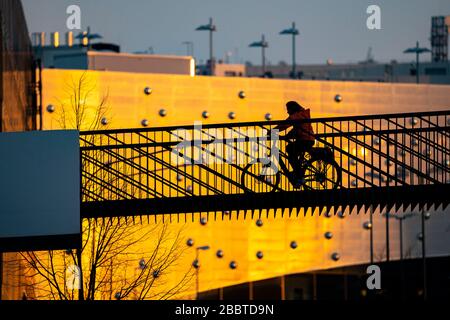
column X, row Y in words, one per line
column 417, row 50
column 197, row 268
column 294, row 32
column 424, row 259
column 263, row 44
column 86, row 37
column 211, row 28
column 400, row 218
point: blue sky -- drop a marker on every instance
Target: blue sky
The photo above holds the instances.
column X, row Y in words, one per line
column 330, row 29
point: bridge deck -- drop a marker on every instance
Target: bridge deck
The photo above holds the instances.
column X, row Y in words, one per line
column 385, row 197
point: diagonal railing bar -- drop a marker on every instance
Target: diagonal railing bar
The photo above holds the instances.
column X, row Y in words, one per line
column 435, row 125
column 145, row 171
column 370, row 166
column 377, row 152
column 154, row 175
column 420, row 139
column 171, row 167
column 105, row 187
column 441, row 130
column 116, row 173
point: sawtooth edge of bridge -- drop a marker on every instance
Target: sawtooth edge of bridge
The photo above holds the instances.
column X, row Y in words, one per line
column 390, row 198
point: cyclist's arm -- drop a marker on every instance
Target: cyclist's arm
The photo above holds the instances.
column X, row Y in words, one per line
column 283, row 127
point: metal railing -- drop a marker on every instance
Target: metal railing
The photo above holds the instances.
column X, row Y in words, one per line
column 374, row 151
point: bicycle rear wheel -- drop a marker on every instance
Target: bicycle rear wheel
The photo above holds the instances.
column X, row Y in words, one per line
column 259, row 177
column 322, row 175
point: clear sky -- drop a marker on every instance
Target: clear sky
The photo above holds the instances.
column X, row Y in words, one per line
column 334, row 29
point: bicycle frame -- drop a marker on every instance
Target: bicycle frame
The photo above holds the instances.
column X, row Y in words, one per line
column 281, row 163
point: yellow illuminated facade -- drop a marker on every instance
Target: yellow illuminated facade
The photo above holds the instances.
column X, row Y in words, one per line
column 185, row 99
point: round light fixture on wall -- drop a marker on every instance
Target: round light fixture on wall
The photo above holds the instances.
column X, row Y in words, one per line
column 328, row 235
column 144, row 123
column 268, row 116
column 338, row 98
column 376, row 141
column 241, row 94
column 259, row 255
column 196, row 264
column 233, row 265
column 367, row 225
column 104, row 121
column 190, row 242
column 205, row 114
column 259, row 223
column 232, row 115
column 163, row 112
column 294, row 245
column 142, row 264
column 335, row 256
column 219, row 253
column 148, row 90
column 51, row 108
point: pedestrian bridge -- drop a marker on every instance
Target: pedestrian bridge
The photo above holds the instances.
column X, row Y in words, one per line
column 380, row 161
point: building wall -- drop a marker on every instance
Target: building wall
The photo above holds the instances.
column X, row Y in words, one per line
column 84, row 58
column 229, row 70
column 17, row 113
column 141, row 63
column 431, row 73
column 16, row 69
column 185, row 98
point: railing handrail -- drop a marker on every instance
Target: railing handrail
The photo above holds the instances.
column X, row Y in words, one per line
column 195, row 142
column 276, row 122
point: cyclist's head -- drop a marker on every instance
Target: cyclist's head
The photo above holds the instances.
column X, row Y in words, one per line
column 293, row 107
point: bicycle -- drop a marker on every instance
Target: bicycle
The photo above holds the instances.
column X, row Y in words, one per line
column 320, row 172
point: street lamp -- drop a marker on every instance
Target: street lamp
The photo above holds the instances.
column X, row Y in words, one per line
column 400, row 218
column 294, row 32
column 197, row 267
column 211, row 28
column 417, row 50
column 86, row 37
column 263, row 44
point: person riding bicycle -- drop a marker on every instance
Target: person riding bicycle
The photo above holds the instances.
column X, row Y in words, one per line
column 301, row 136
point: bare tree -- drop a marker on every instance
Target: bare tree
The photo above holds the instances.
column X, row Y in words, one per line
column 118, row 259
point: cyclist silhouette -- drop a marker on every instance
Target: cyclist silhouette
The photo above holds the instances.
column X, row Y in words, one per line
column 301, row 137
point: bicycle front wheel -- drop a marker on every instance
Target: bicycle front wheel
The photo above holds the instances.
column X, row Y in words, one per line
column 259, row 177
column 322, row 175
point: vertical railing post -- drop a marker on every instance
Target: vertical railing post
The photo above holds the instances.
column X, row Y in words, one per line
column 424, row 257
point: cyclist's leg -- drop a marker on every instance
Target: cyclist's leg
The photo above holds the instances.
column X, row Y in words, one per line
column 303, row 147
column 292, row 151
